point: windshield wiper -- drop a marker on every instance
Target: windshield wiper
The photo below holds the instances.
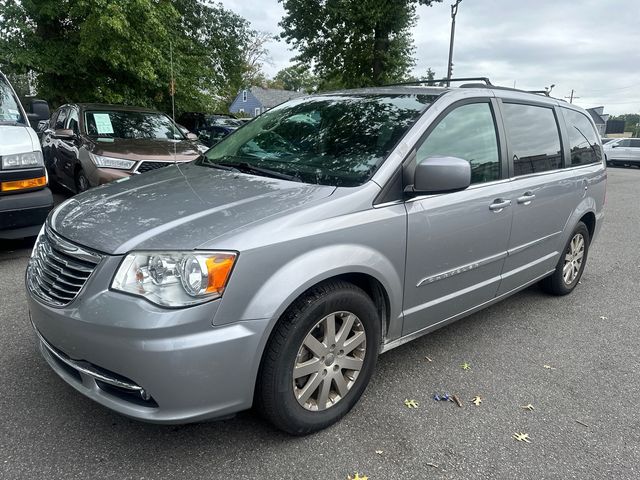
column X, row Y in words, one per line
column 248, row 168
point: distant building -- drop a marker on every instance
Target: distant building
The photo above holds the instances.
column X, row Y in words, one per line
column 255, row 100
column 600, row 118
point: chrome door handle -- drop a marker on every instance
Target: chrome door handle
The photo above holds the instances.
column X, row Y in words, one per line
column 526, row 198
column 499, row 204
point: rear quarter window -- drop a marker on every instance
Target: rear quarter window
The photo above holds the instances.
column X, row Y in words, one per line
column 533, row 136
column 583, row 139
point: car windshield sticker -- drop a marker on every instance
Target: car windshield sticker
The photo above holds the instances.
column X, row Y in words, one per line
column 103, row 123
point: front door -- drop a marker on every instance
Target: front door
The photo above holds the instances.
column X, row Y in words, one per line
column 457, row 242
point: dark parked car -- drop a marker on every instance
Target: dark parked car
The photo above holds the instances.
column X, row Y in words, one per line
column 86, row 145
column 210, row 128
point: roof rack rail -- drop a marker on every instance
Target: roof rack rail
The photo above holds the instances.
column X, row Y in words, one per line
column 486, row 81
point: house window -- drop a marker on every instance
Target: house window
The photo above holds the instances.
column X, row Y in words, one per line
column 241, row 110
column 256, row 112
column 244, row 95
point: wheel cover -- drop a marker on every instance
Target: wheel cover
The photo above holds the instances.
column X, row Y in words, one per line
column 329, row 361
column 83, row 183
column 573, row 259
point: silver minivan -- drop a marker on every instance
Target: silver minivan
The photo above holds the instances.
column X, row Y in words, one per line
column 274, row 269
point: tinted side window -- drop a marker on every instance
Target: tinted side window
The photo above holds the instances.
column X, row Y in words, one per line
column 61, row 119
column 467, row 132
column 534, row 139
column 635, row 143
column 583, row 141
column 623, row 143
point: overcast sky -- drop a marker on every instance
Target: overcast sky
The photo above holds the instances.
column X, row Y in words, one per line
column 591, row 46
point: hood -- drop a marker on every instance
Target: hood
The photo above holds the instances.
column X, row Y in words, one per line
column 17, row 139
column 145, row 149
column 176, row 208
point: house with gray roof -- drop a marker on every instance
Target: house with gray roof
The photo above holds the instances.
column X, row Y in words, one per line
column 600, row 119
column 255, row 100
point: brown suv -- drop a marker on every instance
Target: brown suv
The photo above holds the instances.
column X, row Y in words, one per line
column 85, row 145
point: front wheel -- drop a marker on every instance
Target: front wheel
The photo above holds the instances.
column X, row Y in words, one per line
column 571, row 264
column 319, row 359
column 82, row 182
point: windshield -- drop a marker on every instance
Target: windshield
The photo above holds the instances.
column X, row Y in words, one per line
column 338, row 140
column 131, row 125
column 10, row 111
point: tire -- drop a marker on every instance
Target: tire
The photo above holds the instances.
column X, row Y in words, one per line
column 82, row 182
column 563, row 282
column 288, row 399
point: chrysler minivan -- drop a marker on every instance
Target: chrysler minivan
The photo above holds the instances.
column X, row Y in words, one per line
column 274, row 269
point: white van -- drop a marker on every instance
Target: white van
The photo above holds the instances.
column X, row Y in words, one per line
column 25, row 199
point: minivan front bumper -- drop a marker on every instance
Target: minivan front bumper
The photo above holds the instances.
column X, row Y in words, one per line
column 165, row 366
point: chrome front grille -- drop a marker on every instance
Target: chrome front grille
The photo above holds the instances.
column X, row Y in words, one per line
column 58, row 269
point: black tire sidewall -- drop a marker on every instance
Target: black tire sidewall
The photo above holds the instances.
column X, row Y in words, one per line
column 295, row 418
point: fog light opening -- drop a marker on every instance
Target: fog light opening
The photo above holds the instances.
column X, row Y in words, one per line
column 145, row 396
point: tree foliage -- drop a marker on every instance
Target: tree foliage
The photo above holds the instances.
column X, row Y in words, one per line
column 297, row 78
column 119, row 51
column 353, row 43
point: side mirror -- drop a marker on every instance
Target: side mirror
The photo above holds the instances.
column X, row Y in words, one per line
column 441, row 174
column 63, row 134
column 192, row 136
column 614, row 146
column 37, row 110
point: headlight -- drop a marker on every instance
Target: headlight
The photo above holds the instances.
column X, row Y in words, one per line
column 22, row 160
column 175, row 279
column 109, row 162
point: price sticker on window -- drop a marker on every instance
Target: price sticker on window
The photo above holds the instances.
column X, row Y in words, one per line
column 103, row 123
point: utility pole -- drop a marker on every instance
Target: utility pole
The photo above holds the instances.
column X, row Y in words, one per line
column 571, row 97
column 454, row 12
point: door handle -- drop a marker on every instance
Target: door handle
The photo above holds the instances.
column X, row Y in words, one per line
column 526, row 198
column 499, row 204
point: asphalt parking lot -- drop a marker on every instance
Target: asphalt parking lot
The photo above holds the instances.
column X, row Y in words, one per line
column 575, row 359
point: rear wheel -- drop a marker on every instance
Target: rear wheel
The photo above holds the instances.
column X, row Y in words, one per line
column 571, row 264
column 319, row 359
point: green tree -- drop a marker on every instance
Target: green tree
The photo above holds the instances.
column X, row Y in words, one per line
column 353, row 43
column 297, row 78
column 119, row 51
column 631, row 122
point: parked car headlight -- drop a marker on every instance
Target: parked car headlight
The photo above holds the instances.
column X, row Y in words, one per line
column 175, row 279
column 110, row 162
column 22, row 160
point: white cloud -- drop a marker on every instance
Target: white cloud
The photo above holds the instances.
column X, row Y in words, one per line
column 590, row 46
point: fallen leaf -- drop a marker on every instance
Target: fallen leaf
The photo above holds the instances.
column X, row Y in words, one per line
column 428, row 359
column 465, row 366
column 431, row 465
column 528, row 407
column 549, row 367
column 602, row 317
column 379, row 452
column 411, row 403
column 476, row 400
column 357, row 477
column 522, row 437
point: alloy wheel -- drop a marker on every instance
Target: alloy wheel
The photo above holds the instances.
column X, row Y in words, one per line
column 573, row 259
column 329, row 361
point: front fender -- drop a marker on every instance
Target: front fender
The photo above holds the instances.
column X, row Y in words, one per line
column 302, row 272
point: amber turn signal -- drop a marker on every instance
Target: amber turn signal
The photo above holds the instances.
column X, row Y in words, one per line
column 218, row 270
column 23, row 184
